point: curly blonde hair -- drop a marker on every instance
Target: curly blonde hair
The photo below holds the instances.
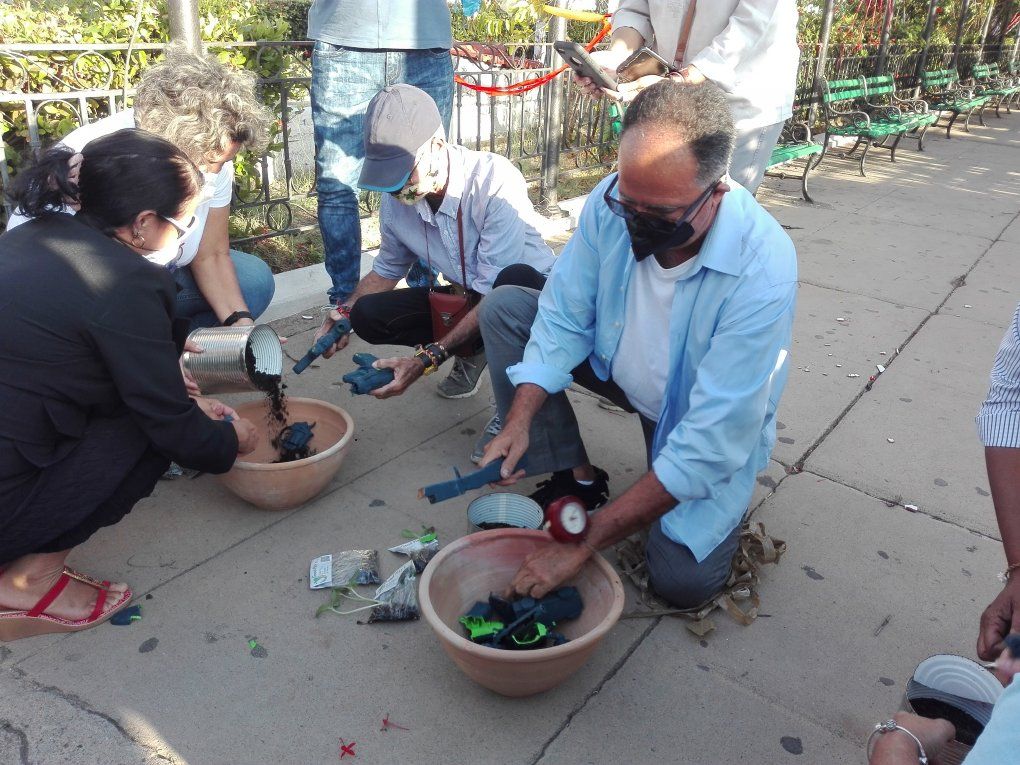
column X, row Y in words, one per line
column 201, row 105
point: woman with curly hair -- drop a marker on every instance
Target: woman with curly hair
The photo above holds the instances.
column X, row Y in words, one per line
column 211, row 112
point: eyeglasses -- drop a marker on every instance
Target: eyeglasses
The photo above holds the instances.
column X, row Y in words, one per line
column 184, row 230
column 656, row 221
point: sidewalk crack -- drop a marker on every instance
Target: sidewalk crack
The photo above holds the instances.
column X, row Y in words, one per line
column 595, row 691
column 6, row 726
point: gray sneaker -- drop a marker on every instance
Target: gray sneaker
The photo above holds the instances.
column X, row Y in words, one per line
column 465, row 377
column 492, row 429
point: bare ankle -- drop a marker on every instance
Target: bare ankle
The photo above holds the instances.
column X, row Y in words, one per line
column 584, row 473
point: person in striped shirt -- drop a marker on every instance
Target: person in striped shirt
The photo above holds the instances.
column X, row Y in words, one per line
column 999, row 429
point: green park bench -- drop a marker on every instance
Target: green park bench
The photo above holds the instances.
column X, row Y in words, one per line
column 989, row 81
column 944, row 93
column 846, row 113
column 794, row 143
column 881, row 101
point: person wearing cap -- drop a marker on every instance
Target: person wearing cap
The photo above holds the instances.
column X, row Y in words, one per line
column 360, row 48
column 674, row 298
column 439, row 201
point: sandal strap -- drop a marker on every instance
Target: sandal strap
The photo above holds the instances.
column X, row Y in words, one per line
column 86, row 579
column 101, row 597
column 52, row 594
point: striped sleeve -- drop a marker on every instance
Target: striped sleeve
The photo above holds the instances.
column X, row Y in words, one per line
column 999, row 419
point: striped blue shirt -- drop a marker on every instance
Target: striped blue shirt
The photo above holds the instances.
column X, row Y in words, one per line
column 999, row 419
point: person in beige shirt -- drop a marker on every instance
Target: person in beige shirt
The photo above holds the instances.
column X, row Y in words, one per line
column 747, row 47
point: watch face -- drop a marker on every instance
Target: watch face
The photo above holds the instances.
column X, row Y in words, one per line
column 573, row 518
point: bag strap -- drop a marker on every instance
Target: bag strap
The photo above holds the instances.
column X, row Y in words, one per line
column 460, row 240
column 685, row 35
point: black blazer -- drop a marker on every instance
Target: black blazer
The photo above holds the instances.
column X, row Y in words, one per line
column 86, row 329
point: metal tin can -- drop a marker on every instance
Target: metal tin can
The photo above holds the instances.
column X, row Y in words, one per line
column 235, row 359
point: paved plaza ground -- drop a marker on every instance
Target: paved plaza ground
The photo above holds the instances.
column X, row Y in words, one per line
column 919, row 260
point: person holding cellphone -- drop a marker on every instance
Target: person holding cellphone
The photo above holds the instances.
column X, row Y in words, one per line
column 746, row 47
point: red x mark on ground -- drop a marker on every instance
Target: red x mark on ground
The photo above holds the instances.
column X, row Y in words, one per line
column 346, row 749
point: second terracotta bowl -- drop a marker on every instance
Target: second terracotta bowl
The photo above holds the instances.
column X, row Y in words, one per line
column 468, row 569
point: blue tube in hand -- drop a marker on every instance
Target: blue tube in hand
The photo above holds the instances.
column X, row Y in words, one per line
column 323, row 344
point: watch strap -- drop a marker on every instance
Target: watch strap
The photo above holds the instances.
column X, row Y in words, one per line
column 235, row 317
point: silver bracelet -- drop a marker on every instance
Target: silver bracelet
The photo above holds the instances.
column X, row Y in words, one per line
column 888, row 727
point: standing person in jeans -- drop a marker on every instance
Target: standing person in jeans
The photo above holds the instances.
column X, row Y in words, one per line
column 360, row 48
column 674, row 298
column 746, row 47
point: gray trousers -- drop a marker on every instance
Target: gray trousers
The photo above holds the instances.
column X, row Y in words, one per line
column 751, row 152
column 505, row 318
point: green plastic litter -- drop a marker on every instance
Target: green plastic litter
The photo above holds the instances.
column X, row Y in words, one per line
column 479, row 627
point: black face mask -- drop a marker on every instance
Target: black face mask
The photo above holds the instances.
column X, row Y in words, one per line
column 647, row 236
column 650, row 235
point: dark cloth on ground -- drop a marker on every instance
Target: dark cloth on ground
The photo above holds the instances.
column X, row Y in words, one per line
column 86, row 335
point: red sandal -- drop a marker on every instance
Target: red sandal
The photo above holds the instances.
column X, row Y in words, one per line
column 15, row 625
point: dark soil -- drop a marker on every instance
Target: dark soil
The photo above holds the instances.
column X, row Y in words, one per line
column 967, row 728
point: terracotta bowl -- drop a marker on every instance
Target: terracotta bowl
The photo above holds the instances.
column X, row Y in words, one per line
column 468, row 569
column 256, row 479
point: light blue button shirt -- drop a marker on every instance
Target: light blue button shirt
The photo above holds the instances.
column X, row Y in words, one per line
column 729, row 338
column 999, row 743
column 501, row 227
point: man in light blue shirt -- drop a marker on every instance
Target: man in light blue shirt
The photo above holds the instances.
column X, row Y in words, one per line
column 675, row 298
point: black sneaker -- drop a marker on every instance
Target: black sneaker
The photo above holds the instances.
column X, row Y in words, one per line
column 561, row 483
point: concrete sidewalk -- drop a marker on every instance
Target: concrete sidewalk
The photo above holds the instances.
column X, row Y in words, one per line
column 913, row 268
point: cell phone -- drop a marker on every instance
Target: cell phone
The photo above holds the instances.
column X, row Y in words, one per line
column 582, row 63
column 641, row 64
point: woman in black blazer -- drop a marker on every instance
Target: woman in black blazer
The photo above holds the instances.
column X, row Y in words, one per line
column 92, row 402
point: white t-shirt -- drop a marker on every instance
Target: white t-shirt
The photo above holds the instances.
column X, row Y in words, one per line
column 641, row 363
column 218, row 190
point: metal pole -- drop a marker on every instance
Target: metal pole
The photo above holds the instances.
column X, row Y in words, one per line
column 883, row 46
column 184, row 24
column 549, row 193
column 929, row 27
column 959, row 33
column 823, row 50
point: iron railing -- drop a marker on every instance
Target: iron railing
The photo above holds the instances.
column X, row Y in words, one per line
column 48, row 90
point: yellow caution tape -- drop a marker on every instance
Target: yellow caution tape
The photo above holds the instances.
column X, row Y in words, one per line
column 573, row 15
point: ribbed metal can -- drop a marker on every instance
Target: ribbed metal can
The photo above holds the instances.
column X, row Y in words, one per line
column 223, row 366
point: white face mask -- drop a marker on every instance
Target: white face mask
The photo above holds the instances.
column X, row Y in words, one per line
column 429, row 181
column 167, row 256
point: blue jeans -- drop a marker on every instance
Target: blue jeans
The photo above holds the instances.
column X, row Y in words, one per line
column 344, row 80
column 254, row 277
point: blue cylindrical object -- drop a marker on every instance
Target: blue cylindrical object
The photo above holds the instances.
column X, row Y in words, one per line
column 323, row 344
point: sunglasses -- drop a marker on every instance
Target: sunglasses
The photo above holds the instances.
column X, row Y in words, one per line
column 656, row 222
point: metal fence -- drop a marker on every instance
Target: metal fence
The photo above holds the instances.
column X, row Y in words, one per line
column 48, row 90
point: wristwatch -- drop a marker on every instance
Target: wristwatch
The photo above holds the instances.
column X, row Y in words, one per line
column 566, row 519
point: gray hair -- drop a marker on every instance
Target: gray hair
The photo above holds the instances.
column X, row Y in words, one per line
column 697, row 115
column 201, row 105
